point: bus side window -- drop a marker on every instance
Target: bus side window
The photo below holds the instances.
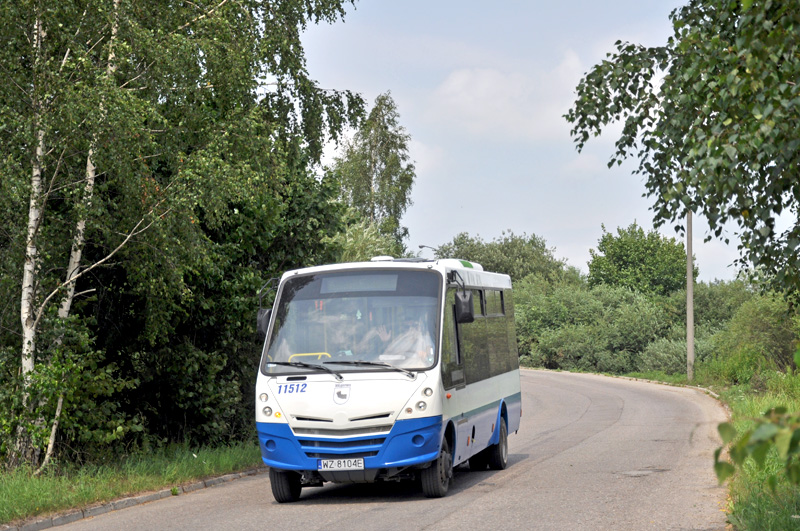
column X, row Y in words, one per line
column 452, row 361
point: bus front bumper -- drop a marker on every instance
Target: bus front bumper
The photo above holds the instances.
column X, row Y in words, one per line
column 410, row 442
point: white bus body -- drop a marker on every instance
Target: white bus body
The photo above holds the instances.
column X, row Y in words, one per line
column 367, row 374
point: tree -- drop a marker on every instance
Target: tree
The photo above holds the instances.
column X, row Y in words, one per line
column 375, row 169
column 645, row 262
column 719, row 135
column 361, row 240
column 120, row 117
column 517, row 256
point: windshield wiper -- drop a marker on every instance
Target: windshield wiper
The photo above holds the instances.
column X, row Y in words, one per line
column 374, row 364
column 306, row 366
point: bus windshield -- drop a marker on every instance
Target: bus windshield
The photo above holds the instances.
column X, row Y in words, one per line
column 387, row 317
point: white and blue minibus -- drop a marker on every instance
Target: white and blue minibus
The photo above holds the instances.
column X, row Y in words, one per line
column 386, row 370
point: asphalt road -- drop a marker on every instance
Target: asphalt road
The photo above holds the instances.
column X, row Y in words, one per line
column 592, row 453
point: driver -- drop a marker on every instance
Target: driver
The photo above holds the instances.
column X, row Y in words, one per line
column 414, row 344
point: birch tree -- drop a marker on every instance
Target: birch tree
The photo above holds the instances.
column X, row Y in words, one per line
column 376, row 169
column 718, row 135
column 115, row 116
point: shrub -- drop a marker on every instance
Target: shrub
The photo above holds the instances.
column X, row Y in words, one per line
column 667, row 355
column 570, row 347
column 760, row 338
column 634, row 325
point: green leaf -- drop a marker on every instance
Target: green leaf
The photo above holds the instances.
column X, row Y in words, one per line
column 723, row 470
column 793, row 473
column 738, row 453
column 727, row 432
column 772, row 483
column 764, row 432
column 759, row 453
column 782, row 441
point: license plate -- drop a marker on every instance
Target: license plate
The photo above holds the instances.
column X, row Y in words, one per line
column 340, row 464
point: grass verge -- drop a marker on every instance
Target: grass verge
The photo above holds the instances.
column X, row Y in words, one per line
column 24, row 496
column 753, row 505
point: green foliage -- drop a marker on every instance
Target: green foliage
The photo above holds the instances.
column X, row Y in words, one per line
column 668, row 355
column 645, row 262
column 84, row 379
column 517, row 256
column 603, row 329
column 715, row 303
column 760, row 338
column 375, row 169
column 775, row 429
column 571, row 347
column 361, row 240
column 719, row 134
column 66, row 486
column 753, row 504
column 204, row 127
column 636, row 324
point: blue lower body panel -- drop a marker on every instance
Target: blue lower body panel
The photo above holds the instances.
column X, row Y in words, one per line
column 410, row 442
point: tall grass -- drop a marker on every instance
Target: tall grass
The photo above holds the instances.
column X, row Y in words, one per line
column 23, row 496
column 753, row 505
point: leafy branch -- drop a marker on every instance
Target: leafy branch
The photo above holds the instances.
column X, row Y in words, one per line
column 776, row 428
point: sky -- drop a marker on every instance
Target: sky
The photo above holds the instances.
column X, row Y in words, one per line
column 481, row 88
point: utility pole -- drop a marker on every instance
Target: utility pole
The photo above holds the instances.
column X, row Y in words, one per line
column 689, row 299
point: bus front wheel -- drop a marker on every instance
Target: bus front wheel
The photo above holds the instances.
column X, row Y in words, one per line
column 498, row 453
column 436, row 478
column 285, row 485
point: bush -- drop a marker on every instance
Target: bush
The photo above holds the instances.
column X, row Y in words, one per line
column 669, row 355
column 784, row 384
column 760, row 338
column 541, row 308
column 570, row 347
column 632, row 326
column 617, row 362
column 715, row 303
column 571, row 327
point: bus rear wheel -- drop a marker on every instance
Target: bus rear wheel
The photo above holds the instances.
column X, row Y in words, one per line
column 436, row 478
column 285, row 485
column 498, row 453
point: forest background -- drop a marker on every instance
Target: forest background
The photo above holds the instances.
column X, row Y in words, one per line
column 160, row 162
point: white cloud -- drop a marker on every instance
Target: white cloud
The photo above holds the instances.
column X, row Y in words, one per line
column 427, row 159
column 509, row 105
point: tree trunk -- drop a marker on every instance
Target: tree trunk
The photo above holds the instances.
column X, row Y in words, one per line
column 76, row 251
column 23, row 448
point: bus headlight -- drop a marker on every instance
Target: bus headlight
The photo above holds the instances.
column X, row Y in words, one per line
column 267, row 411
column 427, row 391
column 421, row 405
column 263, row 397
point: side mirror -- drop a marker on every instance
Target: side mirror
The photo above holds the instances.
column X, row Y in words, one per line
column 465, row 312
column 263, row 322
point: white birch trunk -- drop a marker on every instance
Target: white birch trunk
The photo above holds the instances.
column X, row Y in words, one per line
column 76, row 251
column 28, row 303
column 23, row 449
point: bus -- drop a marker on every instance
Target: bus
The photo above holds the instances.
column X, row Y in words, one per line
column 386, row 370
